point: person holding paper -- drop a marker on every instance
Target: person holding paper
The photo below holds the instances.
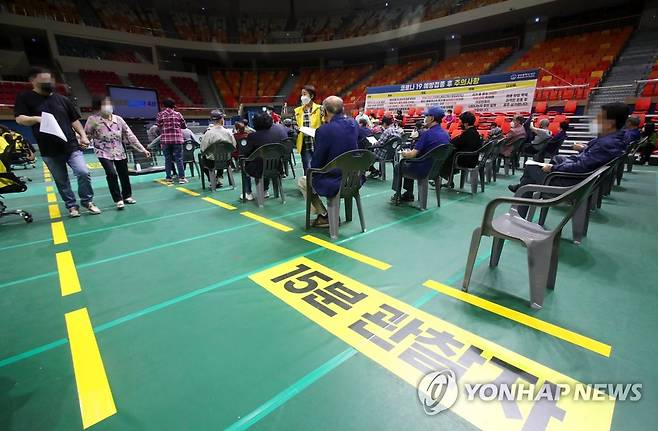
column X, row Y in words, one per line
column 610, row 120
column 53, row 119
column 109, row 132
column 391, row 130
column 307, row 116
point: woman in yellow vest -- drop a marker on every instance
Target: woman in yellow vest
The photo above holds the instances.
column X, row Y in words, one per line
column 307, row 115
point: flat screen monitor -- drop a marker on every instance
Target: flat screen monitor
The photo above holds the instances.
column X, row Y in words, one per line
column 134, row 103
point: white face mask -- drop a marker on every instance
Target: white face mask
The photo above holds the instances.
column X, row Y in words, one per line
column 426, row 121
column 305, row 100
column 107, row 109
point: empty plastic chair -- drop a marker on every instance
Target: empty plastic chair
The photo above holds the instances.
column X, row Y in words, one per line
column 542, row 245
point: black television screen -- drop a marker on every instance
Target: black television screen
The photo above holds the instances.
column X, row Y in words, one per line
column 134, row 103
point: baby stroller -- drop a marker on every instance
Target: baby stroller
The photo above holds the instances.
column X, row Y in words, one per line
column 10, row 183
column 22, row 153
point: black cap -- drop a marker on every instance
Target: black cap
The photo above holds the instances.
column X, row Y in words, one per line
column 216, row 114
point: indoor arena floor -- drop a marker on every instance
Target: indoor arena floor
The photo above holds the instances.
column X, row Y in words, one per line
column 181, row 313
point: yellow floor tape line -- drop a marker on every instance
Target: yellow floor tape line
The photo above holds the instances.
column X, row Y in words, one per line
column 164, row 183
column 59, row 232
column 52, row 198
column 347, row 252
column 266, row 221
column 49, row 189
column 187, row 191
column 94, row 393
column 219, row 203
column 532, row 322
column 68, row 275
column 53, row 210
column 411, row 343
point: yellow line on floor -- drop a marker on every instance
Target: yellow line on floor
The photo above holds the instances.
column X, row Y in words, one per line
column 187, row 191
column 94, row 393
column 532, row 322
column 266, row 221
column 59, row 232
column 68, row 275
column 219, row 203
column 49, row 189
column 347, row 252
column 164, row 183
column 52, row 198
column 53, row 209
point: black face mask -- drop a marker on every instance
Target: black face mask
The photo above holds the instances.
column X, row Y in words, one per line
column 47, row 87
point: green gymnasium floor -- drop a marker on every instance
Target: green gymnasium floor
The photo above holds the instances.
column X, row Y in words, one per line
column 192, row 334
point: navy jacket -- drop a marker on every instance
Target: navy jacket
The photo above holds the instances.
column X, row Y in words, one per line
column 364, row 133
column 598, row 152
column 338, row 136
column 274, row 134
column 631, row 135
column 431, row 138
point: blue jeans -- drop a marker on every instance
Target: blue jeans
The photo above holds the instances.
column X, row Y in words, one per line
column 173, row 154
column 306, row 155
column 57, row 166
column 247, row 183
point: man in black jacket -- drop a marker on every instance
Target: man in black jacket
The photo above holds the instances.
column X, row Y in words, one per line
column 469, row 140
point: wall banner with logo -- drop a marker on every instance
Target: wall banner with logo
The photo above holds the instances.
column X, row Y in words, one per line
column 500, row 92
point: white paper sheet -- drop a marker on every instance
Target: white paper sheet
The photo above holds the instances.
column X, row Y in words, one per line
column 49, row 125
column 372, row 139
column 308, row 131
column 534, row 163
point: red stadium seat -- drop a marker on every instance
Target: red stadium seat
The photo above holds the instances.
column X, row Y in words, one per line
column 458, row 109
column 642, row 104
column 570, row 107
column 540, row 108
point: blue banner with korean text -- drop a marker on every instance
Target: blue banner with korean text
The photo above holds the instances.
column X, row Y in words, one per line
column 500, row 92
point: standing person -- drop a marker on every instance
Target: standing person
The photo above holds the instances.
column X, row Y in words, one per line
column 307, row 115
column 361, row 115
column 276, row 118
column 109, row 133
column 171, row 124
column 29, row 108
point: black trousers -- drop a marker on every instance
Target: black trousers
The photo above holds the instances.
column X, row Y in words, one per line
column 116, row 171
column 399, row 182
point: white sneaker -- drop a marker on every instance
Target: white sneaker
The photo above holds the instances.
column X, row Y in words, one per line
column 93, row 208
column 130, row 201
column 120, row 205
column 183, row 181
column 248, row 196
column 267, row 194
column 74, row 212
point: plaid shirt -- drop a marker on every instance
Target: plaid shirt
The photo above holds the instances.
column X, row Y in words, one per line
column 170, row 123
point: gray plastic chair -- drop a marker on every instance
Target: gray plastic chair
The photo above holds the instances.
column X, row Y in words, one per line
column 631, row 154
column 273, row 156
column 580, row 219
column 475, row 172
column 438, row 155
column 629, row 158
column 289, row 143
column 542, row 245
column 188, row 156
column 511, row 160
column 221, row 154
column 490, row 168
column 352, row 165
column 385, row 153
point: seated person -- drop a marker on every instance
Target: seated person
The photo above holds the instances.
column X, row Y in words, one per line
column 632, row 130
column 610, row 120
column 239, row 134
column 650, row 145
column 542, row 136
column 364, row 133
column 449, row 118
column 554, row 143
column 362, row 115
column 516, row 132
column 215, row 134
column 390, row 130
column 292, row 132
column 266, row 133
column 469, row 140
column 431, row 138
column 338, row 135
